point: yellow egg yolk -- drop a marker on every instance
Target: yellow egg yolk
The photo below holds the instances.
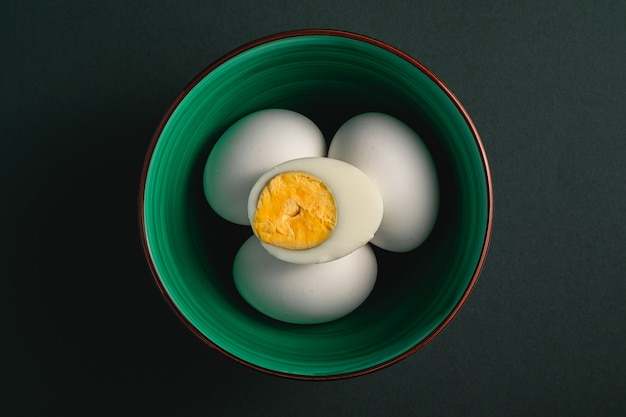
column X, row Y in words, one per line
column 295, row 210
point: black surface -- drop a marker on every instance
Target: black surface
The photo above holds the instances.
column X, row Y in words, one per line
column 84, row 330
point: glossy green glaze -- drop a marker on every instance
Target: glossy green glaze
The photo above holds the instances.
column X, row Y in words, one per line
column 329, row 79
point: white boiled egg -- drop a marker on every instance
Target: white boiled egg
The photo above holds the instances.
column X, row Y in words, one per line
column 249, row 148
column 400, row 165
column 314, row 210
column 303, row 294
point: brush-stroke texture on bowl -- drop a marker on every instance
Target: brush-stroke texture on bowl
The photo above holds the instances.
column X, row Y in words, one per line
column 329, row 76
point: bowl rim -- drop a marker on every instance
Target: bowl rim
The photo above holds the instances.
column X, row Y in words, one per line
column 332, row 33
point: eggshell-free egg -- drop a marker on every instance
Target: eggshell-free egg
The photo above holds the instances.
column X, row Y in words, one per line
column 303, row 294
column 398, row 162
column 250, row 147
column 358, row 203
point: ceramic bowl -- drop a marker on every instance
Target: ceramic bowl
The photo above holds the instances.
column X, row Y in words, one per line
column 328, row 76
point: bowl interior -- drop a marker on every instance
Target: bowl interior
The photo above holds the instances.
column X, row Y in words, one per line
column 328, row 79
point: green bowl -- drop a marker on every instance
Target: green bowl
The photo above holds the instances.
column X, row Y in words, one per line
column 329, row 76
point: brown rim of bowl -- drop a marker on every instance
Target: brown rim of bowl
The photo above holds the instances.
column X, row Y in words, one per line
column 362, row 38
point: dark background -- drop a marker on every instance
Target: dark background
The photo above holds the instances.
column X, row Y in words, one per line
column 84, row 330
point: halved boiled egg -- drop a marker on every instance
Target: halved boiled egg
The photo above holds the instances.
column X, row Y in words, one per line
column 314, row 210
